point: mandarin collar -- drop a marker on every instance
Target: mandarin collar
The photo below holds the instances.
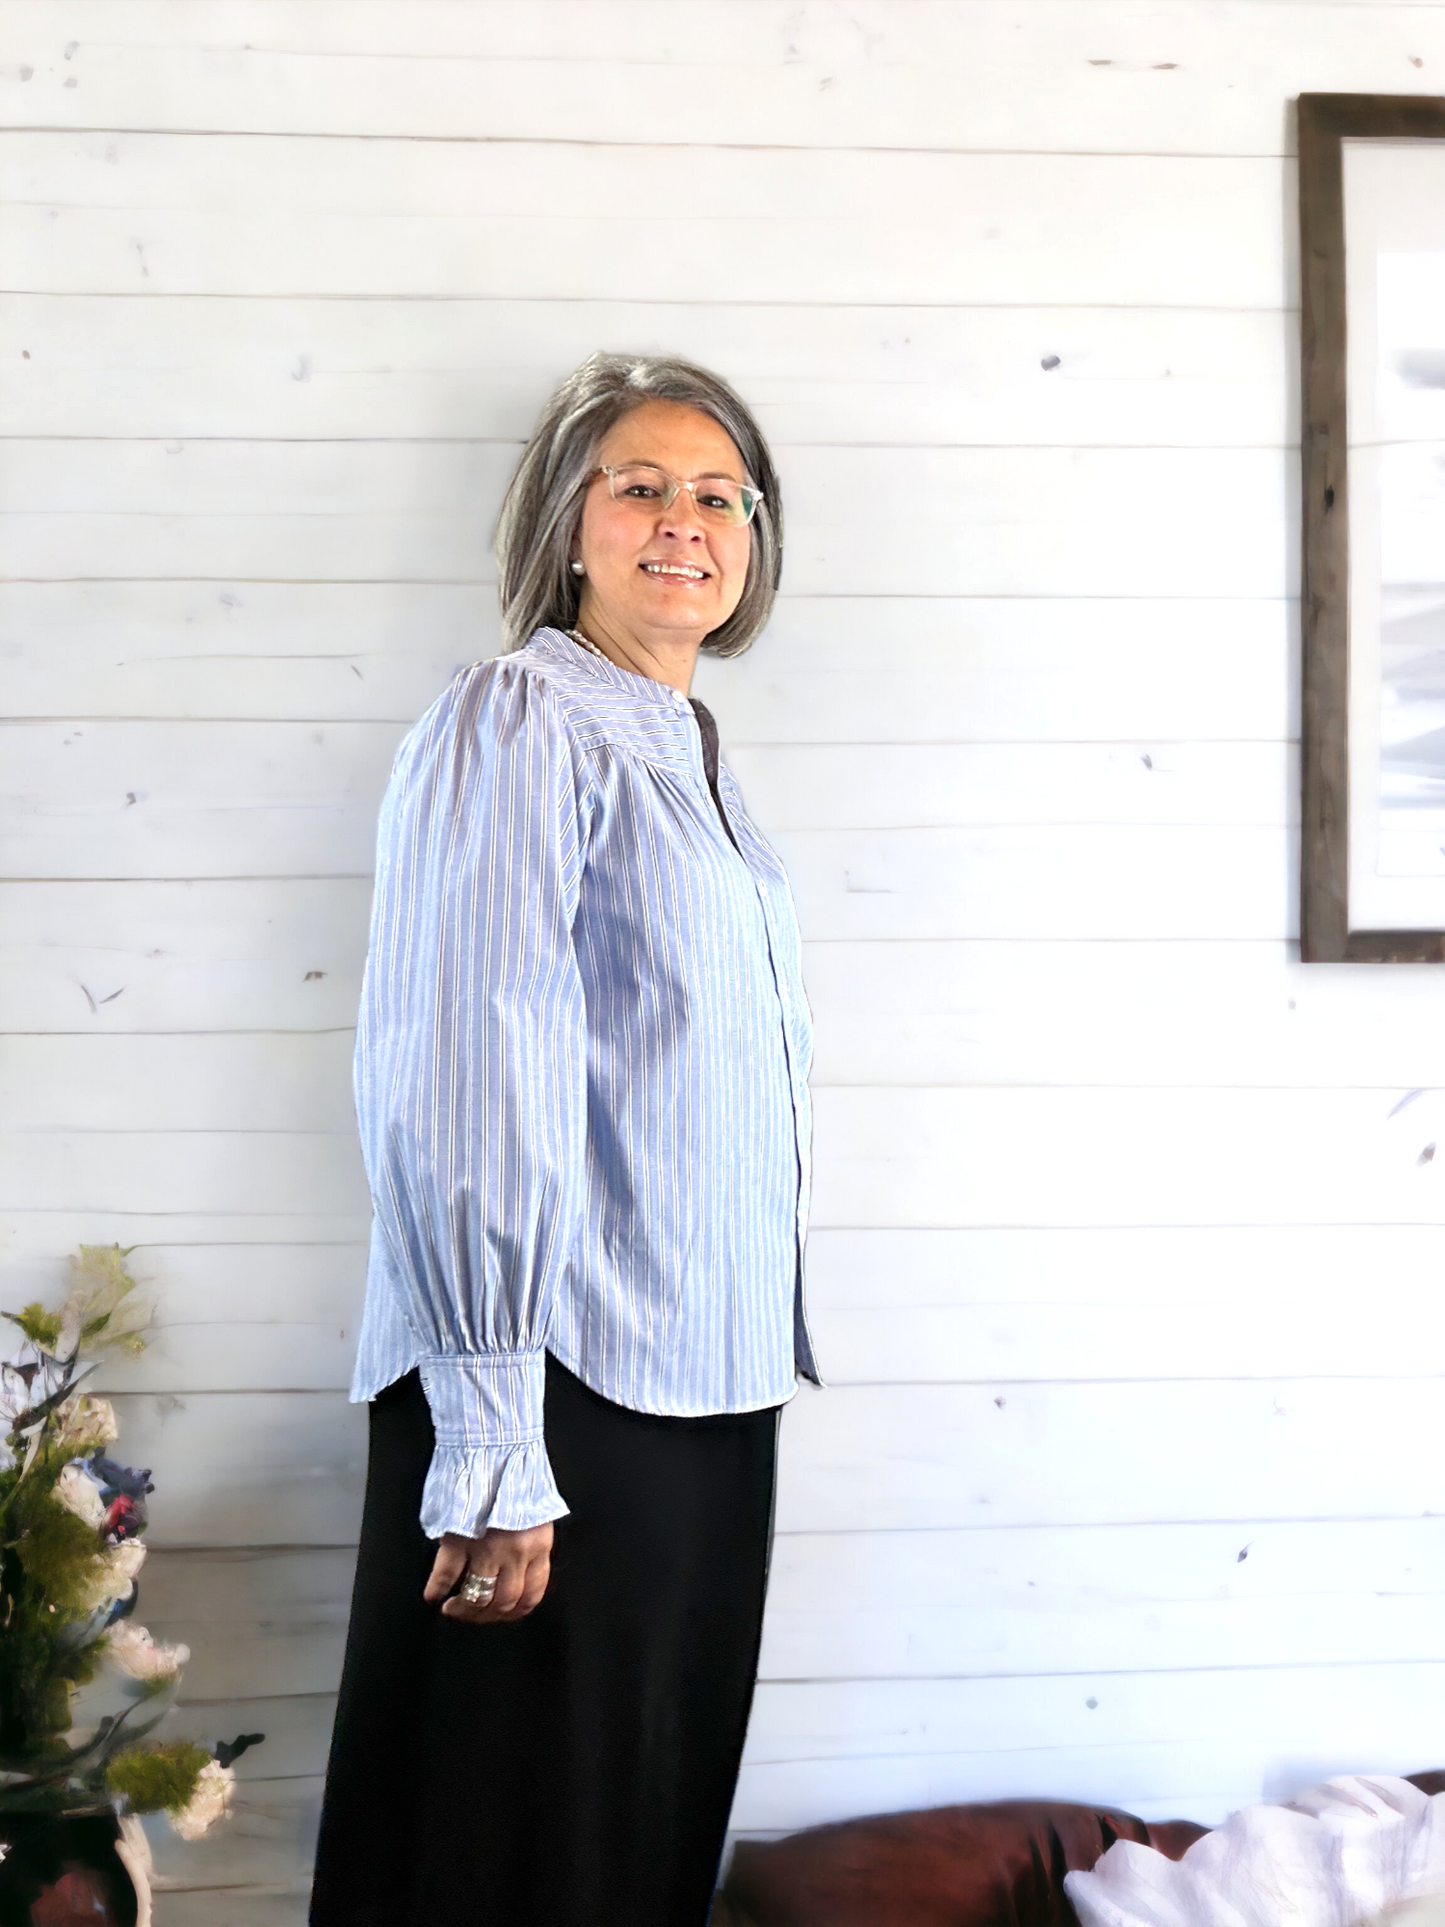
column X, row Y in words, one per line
column 557, row 644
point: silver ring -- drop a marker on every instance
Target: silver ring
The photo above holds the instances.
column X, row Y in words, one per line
column 477, row 1588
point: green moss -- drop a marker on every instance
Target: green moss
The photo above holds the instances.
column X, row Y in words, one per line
column 40, row 1326
column 156, row 1777
column 59, row 1553
column 34, row 1700
column 79, row 1665
column 46, row 1581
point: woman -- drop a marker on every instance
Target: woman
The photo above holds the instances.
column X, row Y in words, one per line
column 581, row 1082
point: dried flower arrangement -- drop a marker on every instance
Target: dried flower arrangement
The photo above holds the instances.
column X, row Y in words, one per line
column 71, row 1521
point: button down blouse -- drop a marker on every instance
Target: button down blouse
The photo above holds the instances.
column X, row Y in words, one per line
column 581, row 1076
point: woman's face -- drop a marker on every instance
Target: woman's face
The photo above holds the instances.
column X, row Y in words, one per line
column 654, row 572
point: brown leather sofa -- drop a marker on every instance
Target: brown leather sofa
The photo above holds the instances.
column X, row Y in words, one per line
column 1000, row 1865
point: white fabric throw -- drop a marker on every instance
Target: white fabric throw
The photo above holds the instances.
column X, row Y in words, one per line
column 1351, row 1853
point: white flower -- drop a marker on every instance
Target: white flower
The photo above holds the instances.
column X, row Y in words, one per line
column 210, row 1802
column 113, row 1576
column 17, row 1398
column 80, row 1494
column 131, row 1649
column 86, row 1423
column 126, row 1561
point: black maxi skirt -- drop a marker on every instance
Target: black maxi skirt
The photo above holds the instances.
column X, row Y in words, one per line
column 576, row 1769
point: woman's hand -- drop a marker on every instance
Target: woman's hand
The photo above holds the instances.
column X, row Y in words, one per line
column 521, row 1563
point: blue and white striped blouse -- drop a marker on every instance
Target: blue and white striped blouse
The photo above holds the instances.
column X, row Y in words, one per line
column 581, row 1076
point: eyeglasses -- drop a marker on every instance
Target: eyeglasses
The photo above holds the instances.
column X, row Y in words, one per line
column 642, row 485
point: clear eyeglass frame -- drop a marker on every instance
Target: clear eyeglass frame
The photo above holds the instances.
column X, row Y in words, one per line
column 717, row 498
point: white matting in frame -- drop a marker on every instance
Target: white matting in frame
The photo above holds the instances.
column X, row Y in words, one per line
column 1394, row 210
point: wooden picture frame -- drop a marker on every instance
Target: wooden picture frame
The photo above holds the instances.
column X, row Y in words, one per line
column 1372, row 886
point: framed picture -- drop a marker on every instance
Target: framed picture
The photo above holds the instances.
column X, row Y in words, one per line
column 1372, row 258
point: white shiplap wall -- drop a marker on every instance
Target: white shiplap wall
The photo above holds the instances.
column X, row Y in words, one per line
column 1126, row 1256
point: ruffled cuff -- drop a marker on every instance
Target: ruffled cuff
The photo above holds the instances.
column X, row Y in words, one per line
column 507, row 1486
column 489, row 1467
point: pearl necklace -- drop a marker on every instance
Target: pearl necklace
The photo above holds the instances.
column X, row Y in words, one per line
column 586, row 642
column 578, row 637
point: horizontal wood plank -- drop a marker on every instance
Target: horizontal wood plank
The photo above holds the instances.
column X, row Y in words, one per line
column 182, row 366
column 270, row 215
column 883, row 786
column 893, row 1457
column 304, row 651
column 919, row 1640
column 285, row 956
column 1026, row 1304
column 193, row 799
column 248, row 1906
column 926, row 1306
column 258, row 1623
column 930, row 1157
column 1153, row 522
column 126, row 799
column 1115, row 76
column 47, row 1235
column 1134, row 1269
column 275, row 1468
column 829, row 670
column 263, row 952
column 859, row 1718
column 189, row 1287
column 1277, row 1310
column 248, row 1468
column 1027, row 882
column 297, row 1728
column 931, row 669
column 107, row 1176
column 1118, row 882
column 248, row 1354
column 918, row 1604
column 1041, row 1157
column 1049, row 1305
column 953, row 1013
column 1145, row 1598
column 1286, row 1334
column 247, row 1082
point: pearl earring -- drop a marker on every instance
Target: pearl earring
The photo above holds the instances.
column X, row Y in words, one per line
column 577, row 568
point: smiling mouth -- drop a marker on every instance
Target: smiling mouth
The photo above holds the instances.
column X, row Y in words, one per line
column 674, row 571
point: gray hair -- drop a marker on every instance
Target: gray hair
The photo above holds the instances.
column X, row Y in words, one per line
column 543, row 504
